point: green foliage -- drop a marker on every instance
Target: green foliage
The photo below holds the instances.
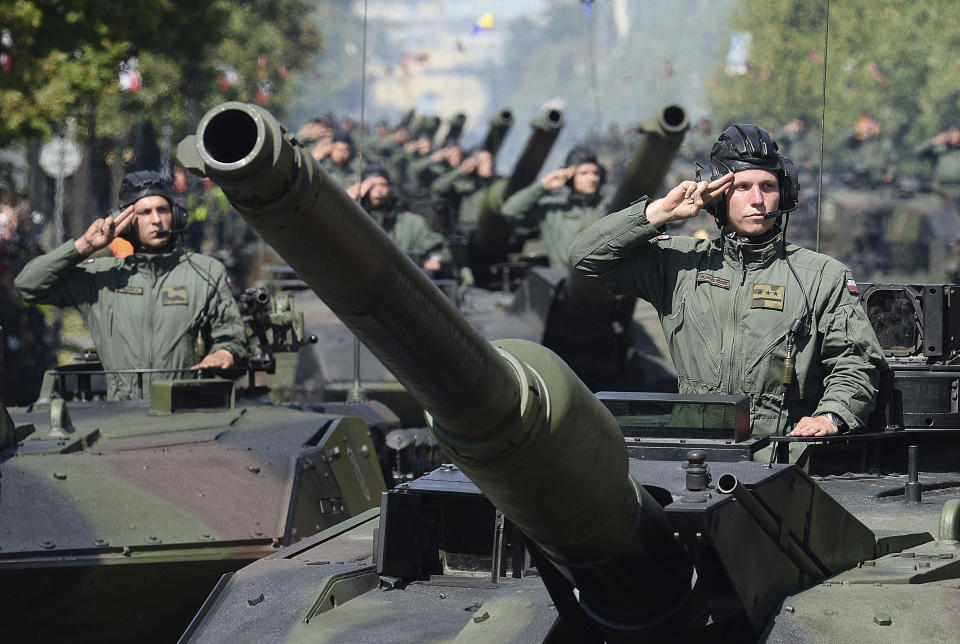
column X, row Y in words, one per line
column 893, row 59
column 66, row 55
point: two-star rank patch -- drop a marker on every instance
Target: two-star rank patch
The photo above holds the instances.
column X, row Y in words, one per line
column 713, row 280
column 767, row 296
column 173, row 295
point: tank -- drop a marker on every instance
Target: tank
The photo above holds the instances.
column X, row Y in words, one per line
column 116, row 517
column 569, row 516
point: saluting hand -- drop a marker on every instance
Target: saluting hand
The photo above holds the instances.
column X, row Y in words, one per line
column 686, row 200
column 556, row 179
column 103, row 231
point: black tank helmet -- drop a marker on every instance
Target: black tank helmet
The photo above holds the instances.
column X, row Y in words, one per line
column 149, row 183
column 749, row 147
column 578, row 156
column 144, row 183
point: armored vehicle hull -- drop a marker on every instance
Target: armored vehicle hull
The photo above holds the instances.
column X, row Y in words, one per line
column 117, row 516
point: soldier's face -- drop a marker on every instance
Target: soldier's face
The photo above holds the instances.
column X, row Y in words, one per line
column 586, row 179
column 753, row 194
column 379, row 191
column 340, row 152
column 151, row 215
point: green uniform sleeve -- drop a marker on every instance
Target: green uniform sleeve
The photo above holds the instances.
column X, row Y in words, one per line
column 226, row 325
column 53, row 278
column 852, row 358
column 522, row 207
column 616, row 250
column 445, row 185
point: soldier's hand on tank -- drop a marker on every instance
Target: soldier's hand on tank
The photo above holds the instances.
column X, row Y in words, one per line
column 558, row 178
column 432, row 264
column 103, row 231
column 219, row 359
column 814, row 426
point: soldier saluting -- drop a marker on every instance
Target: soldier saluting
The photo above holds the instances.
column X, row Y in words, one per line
column 147, row 310
column 736, row 309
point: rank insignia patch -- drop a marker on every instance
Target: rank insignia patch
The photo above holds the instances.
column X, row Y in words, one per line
column 171, row 295
column 767, row 296
column 713, row 280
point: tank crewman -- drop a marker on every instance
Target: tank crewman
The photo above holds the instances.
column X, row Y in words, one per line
column 147, row 310
column 464, row 187
column 408, row 230
column 803, row 143
column 561, row 217
column 867, row 154
column 337, row 158
column 944, row 151
column 734, row 310
column 422, row 172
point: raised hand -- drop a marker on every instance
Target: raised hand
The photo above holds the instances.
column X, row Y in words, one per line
column 103, row 231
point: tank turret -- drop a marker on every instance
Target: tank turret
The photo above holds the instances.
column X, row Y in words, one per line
column 508, row 412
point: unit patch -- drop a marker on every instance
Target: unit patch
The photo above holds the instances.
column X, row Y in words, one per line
column 767, row 296
column 713, row 280
column 132, row 290
column 173, row 295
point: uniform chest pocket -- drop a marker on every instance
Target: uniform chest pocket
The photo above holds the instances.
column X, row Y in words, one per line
column 763, row 370
column 696, row 355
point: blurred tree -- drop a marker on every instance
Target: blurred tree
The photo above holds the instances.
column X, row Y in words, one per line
column 165, row 61
column 893, row 59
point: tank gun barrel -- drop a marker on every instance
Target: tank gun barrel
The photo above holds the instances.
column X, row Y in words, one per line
column 663, row 135
column 493, row 231
column 499, row 126
column 545, row 129
column 455, row 129
column 512, row 415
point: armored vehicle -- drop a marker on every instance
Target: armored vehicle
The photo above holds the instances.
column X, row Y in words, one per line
column 573, row 517
column 116, row 517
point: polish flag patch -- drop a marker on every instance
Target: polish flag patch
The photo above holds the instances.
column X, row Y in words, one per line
column 853, row 288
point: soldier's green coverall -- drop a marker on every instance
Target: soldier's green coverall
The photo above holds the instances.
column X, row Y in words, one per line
column 726, row 307
column 560, row 217
column 412, row 234
column 143, row 311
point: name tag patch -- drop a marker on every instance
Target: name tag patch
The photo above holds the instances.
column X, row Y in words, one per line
column 173, row 295
column 132, row 290
column 767, row 296
column 713, row 280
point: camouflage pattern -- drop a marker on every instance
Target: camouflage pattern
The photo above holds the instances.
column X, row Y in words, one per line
column 107, row 507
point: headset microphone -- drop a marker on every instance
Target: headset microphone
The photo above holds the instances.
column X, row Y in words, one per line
column 170, row 231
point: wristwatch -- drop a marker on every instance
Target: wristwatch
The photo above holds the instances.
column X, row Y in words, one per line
column 841, row 426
